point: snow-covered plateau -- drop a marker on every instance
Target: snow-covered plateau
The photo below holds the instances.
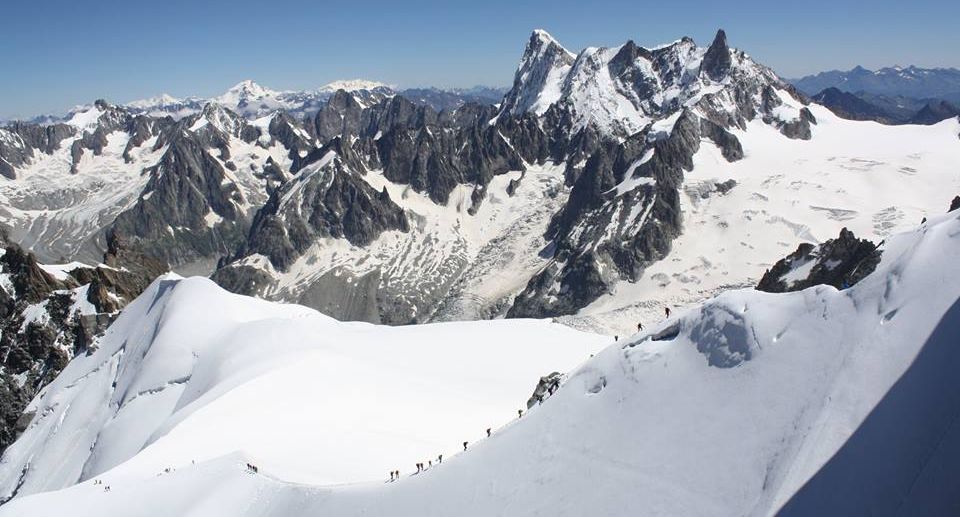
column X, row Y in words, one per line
column 748, row 404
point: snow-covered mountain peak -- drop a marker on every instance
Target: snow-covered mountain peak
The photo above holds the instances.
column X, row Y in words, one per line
column 619, row 90
column 539, row 78
column 351, row 85
column 163, row 99
column 86, row 117
column 216, row 116
column 541, row 39
column 245, row 91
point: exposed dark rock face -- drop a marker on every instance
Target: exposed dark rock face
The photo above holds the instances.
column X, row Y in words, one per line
column 588, row 256
column 840, row 262
column 935, row 112
column 31, row 283
column 44, row 325
column 111, row 118
column 729, row 145
column 19, row 143
column 141, row 129
column 621, row 214
column 342, row 115
column 955, row 204
column 323, row 201
column 544, row 387
column 716, row 62
column 849, row 106
column 624, row 146
column 288, row 131
column 188, row 211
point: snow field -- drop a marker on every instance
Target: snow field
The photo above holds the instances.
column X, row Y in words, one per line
column 729, row 407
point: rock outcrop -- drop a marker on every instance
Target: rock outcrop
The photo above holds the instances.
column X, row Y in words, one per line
column 45, row 319
column 840, row 262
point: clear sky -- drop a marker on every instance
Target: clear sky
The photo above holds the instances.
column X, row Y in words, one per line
column 59, row 53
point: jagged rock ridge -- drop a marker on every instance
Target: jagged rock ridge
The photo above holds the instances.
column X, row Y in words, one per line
column 255, row 193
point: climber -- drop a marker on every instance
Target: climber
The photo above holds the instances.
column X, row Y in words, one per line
column 639, row 326
column 519, row 413
column 667, row 310
column 440, row 459
column 488, row 432
column 429, row 463
column 465, row 445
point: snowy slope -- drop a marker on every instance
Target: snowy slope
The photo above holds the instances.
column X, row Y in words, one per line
column 305, row 397
column 727, row 409
column 870, row 178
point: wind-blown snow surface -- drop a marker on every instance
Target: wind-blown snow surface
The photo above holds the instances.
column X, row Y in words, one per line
column 727, row 409
column 873, row 179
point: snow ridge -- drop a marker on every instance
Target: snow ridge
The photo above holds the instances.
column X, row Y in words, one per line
column 752, row 394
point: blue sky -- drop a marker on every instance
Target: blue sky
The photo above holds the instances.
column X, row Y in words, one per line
column 57, row 53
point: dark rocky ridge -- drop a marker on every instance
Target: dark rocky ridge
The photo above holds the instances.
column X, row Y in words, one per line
column 35, row 351
column 716, row 62
column 852, row 107
column 331, row 201
column 840, row 262
column 886, row 110
column 594, row 243
column 193, row 213
column 583, row 252
column 911, row 81
column 435, row 152
column 934, row 112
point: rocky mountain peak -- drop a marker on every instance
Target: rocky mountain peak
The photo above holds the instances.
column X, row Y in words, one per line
column 716, row 62
column 218, row 116
column 540, row 39
column 536, row 85
column 618, row 91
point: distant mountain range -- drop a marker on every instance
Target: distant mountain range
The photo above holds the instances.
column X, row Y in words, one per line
column 911, row 81
column 891, row 95
column 252, row 100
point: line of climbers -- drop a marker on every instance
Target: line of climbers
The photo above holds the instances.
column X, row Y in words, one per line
column 395, row 474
